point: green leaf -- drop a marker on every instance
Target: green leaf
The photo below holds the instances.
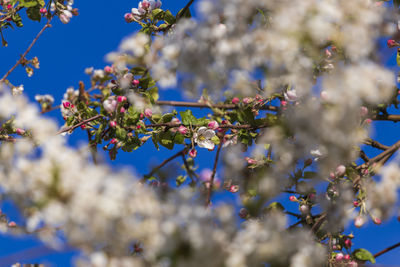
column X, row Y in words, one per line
column 398, row 56
column 166, row 139
column 157, row 13
column 184, row 13
column 17, row 20
column 29, row 3
column 169, row 18
column 275, row 206
column 187, row 117
column 215, row 140
column 120, row 133
column 180, row 180
column 364, row 255
column 179, row 138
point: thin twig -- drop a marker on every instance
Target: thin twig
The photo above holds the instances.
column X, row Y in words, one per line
column 182, row 152
column 188, row 170
column 71, row 128
column 48, row 25
column 223, row 126
column 210, row 188
column 204, row 105
column 386, row 250
column 375, row 144
column 184, row 10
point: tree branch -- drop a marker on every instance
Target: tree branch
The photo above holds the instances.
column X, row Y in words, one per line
column 224, row 126
column 386, row 250
column 210, row 189
column 71, row 128
column 182, row 152
column 48, row 25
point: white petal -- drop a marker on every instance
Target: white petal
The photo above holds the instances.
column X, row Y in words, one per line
column 208, row 144
column 209, row 134
column 201, row 130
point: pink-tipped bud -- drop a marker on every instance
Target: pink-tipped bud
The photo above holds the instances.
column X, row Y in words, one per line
column 332, row 175
column 293, row 198
column 135, row 82
column 113, row 141
column 328, row 53
column 148, row 112
column 66, row 104
column 43, row 10
column 234, row 188
column 182, row 129
column 128, row 17
column 283, row 103
column 359, row 222
column 213, row 125
column 20, row 131
column 352, row 264
column 392, row 43
column 121, row 98
column 108, row 69
column 83, row 126
column 113, row 123
column 340, row 170
column 243, row 213
column 193, row 153
column 9, row 6
column 369, row 121
column 348, row 243
column 304, row 209
column 247, row 100
column 347, row 257
column 250, row 160
column 122, row 110
column 366, row 172
column 339, row 257
column 311, row 197
column 355, row 203
column 363, row 111
column 377, row 221
column 141, row 116
column 145, row 5
column 235, row 100
column 12, row 224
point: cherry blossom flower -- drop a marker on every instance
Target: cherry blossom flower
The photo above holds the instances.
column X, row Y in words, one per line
column 203, row 138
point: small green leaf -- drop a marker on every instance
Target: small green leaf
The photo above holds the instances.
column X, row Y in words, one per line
column 169, row 18
column 29, row 3
column 398, row 57
column 275, row 206
column 309, row 175
column 364, row 255
column 120, row 133
column 166, row 140
column 215, row 140
column 187, row 117
column 180, row 180
column 184, row 13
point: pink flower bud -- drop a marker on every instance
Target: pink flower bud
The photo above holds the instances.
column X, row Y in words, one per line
column 213, row 125
column 368, row 121
column 83, row 126
column 339, row 257
column 324, row 95
column 141, row 115
column 366, row 172
column 243, row 213
column 247, row 100
column 332, row 175
column 347, row 257
column 235, row 100
column 113, row 141
column 20, row 131
column 121, row 98
column 122, row 110
column 352, row 264
column 182, row 129
column 363, row 111
column 9, row 6
column 145, row 5
column 283, row 103
column 359, row 221
column 128, row 17
column 328, row 53
column 193, row 153
column 340, row 170
column 135, row 82
column 113, row 123
column 138, row 126
column 293, row 198
column 43, row 10
column 234, row 188
column 66, row 104
column 250, row 160
column 12, row 224
column 148, row 113
column 304, row 209
column 348, row 243
column 377, row 221
column 392, row 43
column 355, row 203
column 108, row 69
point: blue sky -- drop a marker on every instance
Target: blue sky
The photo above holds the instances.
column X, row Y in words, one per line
column 64, row 52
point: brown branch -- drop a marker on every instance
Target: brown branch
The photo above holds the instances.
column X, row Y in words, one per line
column 318, row 223
column 204, row 105
column 375, row 144
column 389, row 117
column 210, row 189
column 182, row 152
column 184, row 10
column 386, row 250
column 224, row 126
column 71, row 128
column 48, row 25
column 188, row 170
column 11, row 14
